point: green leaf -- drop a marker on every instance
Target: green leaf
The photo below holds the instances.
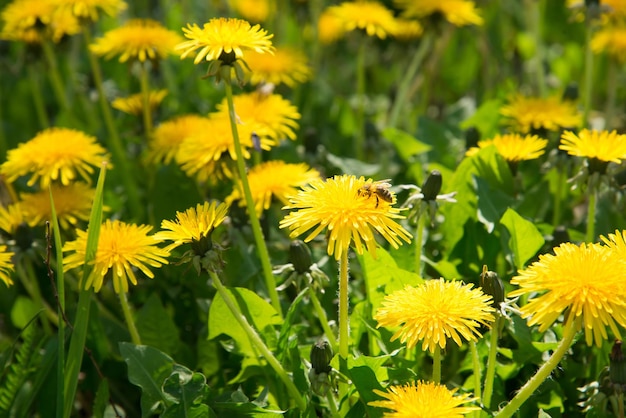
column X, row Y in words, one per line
column 406, row 145
column 260, row 315
column 186, row 390
column 525, row 240
column 23, row 311
column 156, row 327
column 353, row 166
column 179, row 411
column 491, row 204
column 147, row 368
column 102, row 399
column 366, row 373
column 486, row 118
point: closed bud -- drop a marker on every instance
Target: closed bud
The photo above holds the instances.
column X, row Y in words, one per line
column 321, row 355
column 300, row 256
column 492, row 285
column 617, row 365
column 472, row 136
column 432, row 186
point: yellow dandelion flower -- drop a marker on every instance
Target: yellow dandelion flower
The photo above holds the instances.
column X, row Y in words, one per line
column 435, row 311
column 370, row 16
column 122, row 248
column 534, row 113
column 12, row 217
column 169, row 135
column 54, row 154
column 91, row 9
column 611, row 40
column 138, row 39
column 72, row 204
column 31, row 20
column 287, row 65
column 457, row 12
column 586, row 281
column 133, row 105
column 6, row 266
column 423, row 399
column 600, row 145
column 269, row 116
column 514, row 147
column 193, row 225
column 342, row 205
column 407, row 29
column 205, row 153
column 228, row 36
column 330, row 28
column 273, row 179
column 253, row 10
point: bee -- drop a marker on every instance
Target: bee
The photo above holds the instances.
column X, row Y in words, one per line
column 378, row 189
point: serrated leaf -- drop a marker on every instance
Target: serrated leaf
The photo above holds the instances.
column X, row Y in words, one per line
column 147, row 368
column 525, row 239
column 156, row 327
column 406, row 145
column 180, row 411
column 491, row 204
column 185, row 388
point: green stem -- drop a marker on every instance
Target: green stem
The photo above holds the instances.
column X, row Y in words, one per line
column 591, row 209
column 60, row 294
column 360, row 102
column 344, row 324
column 128, row 316
column 611, row 93
column 419, row 240
column 588, row 75
column 35, row 89
column 270, row 281
column 405, row 85
column 145, row 93
column 437, row 365
column 55, row 77
column 561, row 179
column 477, row 372
column 534, row 21
column 114, row 140
column 332, row 404
column 491, row 363
column 620, row 405
column 321, row 315
column 544, row 371
column 257, row 341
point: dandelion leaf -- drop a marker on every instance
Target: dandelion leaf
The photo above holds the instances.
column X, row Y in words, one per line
column 524, row 237
column 156, row 327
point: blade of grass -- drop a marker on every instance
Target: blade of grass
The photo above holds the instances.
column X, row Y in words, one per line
column 79, row 335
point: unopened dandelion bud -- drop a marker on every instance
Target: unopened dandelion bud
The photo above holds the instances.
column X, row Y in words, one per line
column 432, row 186
column 617, row 365
column 321, row 355
column 300, row 256
column 571, row 92
column 472, row 136
column 492, row 285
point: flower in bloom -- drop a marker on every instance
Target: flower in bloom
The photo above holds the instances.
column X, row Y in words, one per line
column 6, row 266
column 72, row 204
column 370, row 16
column 434, row 311
column 514, row 147
column 457, row 12
column 349, row 209
column 587, row 281
column 273, row 178
column 193, row 225
column 287, row 65
column 12, row 217
column 423, row 399
column 205, row 153
column 137, row 39
column 253, row 10
column 54, row 154
column 407, row 29
column 30, row 20
column 133, row 105
column 169, row 135
column 229, row 36
column 534, row 113
column 269, row 116
column 122, row 248
column 91, row 9
column 330, row 28
column 612, row 40
column 601, row 145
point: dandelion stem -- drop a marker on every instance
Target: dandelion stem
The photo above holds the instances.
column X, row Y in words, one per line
column 360, row 103
column 270, row 281
column 611, row 93
column 257, row 341
column 491, row 363
column 35, row 89
column 321, row 315
column 343, row 305
column 437, row 365
column 55, row 77
column 477, row 371
column 588, row 73
column 569, row 332
column 620, row 405
column 534, row 21
column 405, row 85
column 419, row 240
column 591, row 209
column 128, row 316
column 145, row 93
column 332, row 405
column 558, row 199
column 114, row 141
